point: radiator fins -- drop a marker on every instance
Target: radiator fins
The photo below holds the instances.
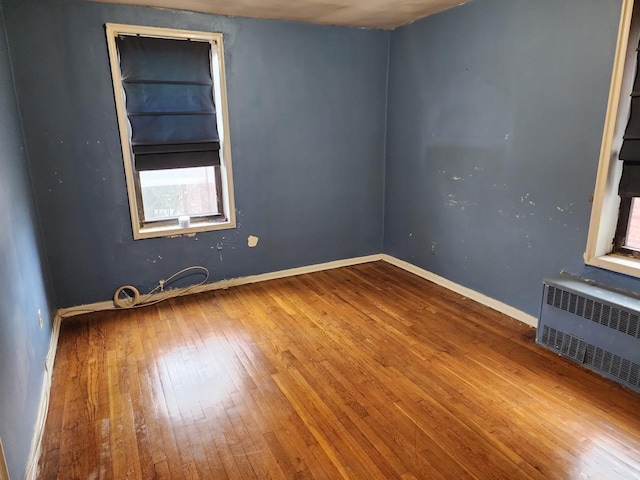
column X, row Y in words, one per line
column 592, row 356
column 594, row 311
column 593, row 325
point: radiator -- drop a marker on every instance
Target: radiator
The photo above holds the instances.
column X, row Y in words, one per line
column 593, row 325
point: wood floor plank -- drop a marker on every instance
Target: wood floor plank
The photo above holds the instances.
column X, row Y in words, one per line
column 364, row 372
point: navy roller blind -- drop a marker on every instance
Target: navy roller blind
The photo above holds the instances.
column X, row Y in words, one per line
column 169, row 100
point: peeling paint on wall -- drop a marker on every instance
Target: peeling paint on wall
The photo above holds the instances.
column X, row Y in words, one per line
column 252, row 241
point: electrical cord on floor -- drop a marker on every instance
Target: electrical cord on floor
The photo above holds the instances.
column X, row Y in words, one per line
column 128, row 296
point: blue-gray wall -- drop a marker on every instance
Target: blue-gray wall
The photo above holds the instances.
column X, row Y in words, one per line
column 23, row 283
column 307, row 116
column 495, row 118
column 493, row 126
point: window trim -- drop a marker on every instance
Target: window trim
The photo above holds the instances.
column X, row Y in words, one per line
column 606, row 201
column 220, row 99
column 626, row 205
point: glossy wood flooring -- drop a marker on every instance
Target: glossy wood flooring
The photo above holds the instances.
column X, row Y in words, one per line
column 365, row 372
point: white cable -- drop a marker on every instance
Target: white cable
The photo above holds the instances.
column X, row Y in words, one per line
column 128, row 296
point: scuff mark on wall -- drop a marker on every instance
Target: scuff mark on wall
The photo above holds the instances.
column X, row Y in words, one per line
column 517, row 211
column 567, row 208
column 252, row 241
column 452, row 202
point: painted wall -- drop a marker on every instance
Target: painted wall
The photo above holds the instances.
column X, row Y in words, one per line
column 23, row 284
column 496, row 111
column 307, row 116
column 495, row 116
column 494, row 122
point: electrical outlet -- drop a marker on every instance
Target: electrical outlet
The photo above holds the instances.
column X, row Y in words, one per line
column 40, row 319
column 433, row 248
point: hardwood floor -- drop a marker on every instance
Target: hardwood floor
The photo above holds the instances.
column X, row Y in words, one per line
column 365, row 372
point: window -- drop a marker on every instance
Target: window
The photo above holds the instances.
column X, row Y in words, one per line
column 170, row 94
column 626, row 240
column 614, row 231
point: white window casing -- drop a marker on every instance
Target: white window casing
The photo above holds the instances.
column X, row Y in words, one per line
column 606, row 201
column 141, row 230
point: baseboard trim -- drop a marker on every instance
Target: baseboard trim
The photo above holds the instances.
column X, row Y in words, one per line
column 263, row 277
column 464, row 291
column 222, row 284
column 43, row 406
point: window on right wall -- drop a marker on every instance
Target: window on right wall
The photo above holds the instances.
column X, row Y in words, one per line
column 627, row 238
column 614, row 231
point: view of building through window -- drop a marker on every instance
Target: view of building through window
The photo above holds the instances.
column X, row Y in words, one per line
column 633, row 230
column 180, row 191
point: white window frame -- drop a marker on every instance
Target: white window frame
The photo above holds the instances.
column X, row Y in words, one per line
column 220, row 99
column 606, row 201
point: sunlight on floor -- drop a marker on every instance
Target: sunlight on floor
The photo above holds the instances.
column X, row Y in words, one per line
column 199, row 378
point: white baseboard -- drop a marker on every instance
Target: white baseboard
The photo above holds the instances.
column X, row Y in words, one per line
column 464, row 291
column 233, row 282
column 43, row 406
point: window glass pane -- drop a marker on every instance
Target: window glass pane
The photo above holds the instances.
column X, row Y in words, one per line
column 633, row 230
column 179, row 191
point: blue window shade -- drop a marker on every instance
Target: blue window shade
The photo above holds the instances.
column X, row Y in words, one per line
column 169, row 101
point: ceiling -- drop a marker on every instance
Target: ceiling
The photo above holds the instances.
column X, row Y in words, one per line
column 386, row 14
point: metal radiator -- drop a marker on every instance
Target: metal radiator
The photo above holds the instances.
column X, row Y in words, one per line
column 594, row 325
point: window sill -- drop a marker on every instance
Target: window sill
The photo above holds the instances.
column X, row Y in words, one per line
column 177, row 231
column 616, row 263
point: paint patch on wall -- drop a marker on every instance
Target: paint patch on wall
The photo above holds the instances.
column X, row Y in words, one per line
column 252, row 241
